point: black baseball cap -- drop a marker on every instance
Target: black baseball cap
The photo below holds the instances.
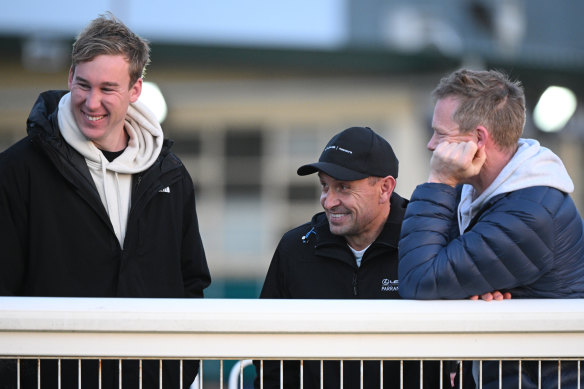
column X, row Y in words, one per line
column 354, row 154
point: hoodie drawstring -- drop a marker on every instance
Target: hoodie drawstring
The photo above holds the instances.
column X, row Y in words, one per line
column 113, row 198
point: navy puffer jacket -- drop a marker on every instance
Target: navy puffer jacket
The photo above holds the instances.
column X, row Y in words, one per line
column 529, row 242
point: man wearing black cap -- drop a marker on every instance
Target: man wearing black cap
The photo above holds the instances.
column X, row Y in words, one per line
column 349, row 251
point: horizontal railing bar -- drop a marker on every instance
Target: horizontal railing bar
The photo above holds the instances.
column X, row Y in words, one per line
column 23, row 357
column 439, row 346
column 289, row 316
column 290, row 329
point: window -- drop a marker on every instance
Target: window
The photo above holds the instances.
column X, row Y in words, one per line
column 243, row 162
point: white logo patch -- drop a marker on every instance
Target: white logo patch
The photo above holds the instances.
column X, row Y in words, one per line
column 338, row 148
column 388, row 285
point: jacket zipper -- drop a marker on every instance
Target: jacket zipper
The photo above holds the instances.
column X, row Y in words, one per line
column 355, row 284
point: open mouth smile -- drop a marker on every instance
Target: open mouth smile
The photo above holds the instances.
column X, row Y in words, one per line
column 94, row 118
column 333, row 217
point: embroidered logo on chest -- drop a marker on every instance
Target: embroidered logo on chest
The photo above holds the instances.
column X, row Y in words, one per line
column 388, row 285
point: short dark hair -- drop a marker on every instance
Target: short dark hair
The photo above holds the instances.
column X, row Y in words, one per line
column 106, row 35
column 488, row 98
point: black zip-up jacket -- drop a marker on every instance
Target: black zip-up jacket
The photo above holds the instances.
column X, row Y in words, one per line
column 56, row 236
column 312, row 263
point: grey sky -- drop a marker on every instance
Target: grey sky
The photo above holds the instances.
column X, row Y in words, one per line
column 302, row 23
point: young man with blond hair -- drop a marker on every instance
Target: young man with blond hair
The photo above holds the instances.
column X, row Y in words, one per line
column 94, row 204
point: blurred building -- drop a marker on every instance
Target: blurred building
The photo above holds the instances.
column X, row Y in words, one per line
column 246, row 115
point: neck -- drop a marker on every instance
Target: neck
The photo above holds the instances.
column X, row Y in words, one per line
column 496, row 160
column 114, row 143
column 365, row 238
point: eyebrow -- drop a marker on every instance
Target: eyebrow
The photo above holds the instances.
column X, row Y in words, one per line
column 106, row 83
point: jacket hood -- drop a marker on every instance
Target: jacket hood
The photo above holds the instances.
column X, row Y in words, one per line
column 43, row 113
column 532, row 165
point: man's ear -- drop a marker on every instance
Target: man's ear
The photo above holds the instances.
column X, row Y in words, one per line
column 482, row 136
column 71, row 74
column 136, row 90
column 387, row 185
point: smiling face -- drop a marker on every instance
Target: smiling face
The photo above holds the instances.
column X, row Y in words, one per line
column 100, row 96
column 357, row 209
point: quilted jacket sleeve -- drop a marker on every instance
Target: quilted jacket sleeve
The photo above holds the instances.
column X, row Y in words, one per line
column 511, row 244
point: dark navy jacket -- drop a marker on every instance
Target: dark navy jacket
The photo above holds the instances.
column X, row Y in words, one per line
column 529, row 242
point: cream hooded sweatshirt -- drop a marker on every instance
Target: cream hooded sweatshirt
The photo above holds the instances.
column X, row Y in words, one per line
column 114, row 179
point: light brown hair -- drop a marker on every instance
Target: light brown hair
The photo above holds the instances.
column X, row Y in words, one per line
column 106, row 35
column 487, row 98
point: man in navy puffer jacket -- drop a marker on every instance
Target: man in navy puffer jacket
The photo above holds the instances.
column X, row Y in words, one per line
column 495, row 218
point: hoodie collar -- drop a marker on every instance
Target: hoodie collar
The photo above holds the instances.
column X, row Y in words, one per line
column 144, row 144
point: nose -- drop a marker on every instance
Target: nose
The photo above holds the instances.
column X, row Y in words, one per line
column 432, row 143
column 329, row 199
column 92, row 100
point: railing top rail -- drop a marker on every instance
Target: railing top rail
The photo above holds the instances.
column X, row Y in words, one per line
column 289, row 316
column 295, row 329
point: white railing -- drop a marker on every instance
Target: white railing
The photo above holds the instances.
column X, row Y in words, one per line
column 240, row 329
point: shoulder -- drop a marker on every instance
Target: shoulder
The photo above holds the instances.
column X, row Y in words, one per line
column 530, row 218
column 167, row 158
column 307, row 232
column 169, row 162
column 16, row 149
column 536, row 193
column 539, row 206
column 19, row 155
column 21, row 164
column 544, row 198
column 296, row 234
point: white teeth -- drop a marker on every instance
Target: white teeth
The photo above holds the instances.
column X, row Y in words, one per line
column 94, row 118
